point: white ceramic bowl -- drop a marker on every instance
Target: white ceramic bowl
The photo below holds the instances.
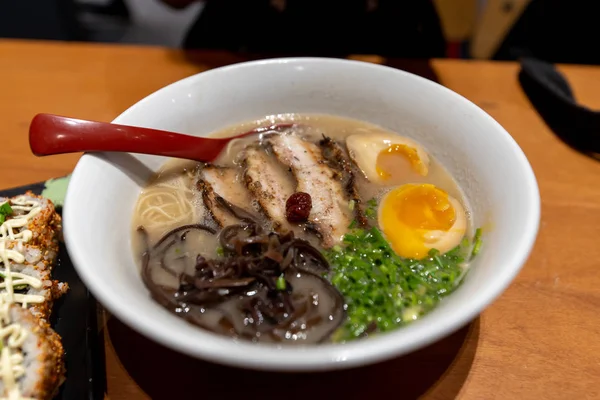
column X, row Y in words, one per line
column 489, row 166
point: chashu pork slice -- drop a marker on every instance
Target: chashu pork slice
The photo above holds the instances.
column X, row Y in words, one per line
column 330, row 214
column 222, row 182
column 269, row 183
column 338, row 159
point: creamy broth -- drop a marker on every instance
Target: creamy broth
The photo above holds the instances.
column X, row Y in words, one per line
column 178, row 196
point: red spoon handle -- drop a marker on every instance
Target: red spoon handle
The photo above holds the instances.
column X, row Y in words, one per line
column 52, row 134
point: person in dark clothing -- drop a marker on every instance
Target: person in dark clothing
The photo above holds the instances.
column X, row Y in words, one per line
column 393, row 28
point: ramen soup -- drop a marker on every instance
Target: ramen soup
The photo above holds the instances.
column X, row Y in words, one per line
column 311, row 229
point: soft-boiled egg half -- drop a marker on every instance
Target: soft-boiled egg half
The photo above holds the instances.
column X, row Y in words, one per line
column 387, row 159
column 416, row 218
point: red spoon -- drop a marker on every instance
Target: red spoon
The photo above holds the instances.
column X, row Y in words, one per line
column 52, row 134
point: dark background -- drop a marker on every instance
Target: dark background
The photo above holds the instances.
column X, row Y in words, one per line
column 553, row 30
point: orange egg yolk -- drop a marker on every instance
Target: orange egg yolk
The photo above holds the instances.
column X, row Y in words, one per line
column 387, row 160
column 409, row 212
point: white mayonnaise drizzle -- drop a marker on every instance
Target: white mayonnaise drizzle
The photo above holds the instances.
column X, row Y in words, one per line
column 13, row 335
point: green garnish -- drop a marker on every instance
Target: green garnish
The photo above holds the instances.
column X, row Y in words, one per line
column 280, row 284
column 384, row 291
column 56, row 189
column 351, row 205
column 371, row 210
column 15, row 287
column 476, row 243
column 5, row 211
column 220, row 251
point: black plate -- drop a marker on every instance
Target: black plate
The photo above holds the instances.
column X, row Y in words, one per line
column 75, row 319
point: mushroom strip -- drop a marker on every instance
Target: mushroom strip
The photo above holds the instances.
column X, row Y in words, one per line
column 267, row 286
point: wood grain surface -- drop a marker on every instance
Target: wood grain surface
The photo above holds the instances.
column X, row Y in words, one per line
column 540, row 340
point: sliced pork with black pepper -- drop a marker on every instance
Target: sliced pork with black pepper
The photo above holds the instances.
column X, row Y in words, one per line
column 338, row 159
column 331, row 214
column 269, row 183
column 218, row 181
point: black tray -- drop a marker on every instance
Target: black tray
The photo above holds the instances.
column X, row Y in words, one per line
column 75, row 319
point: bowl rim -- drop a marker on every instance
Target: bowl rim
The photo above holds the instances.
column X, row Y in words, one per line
column 223, row 350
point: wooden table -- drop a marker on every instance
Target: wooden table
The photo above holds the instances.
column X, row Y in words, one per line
column 540, row 340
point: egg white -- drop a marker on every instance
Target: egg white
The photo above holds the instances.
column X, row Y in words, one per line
column 444, row 241
column 365, row 148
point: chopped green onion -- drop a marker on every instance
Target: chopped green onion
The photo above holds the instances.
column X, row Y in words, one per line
column 383, row 290
column 438, row 261
column 351, row 205
column 476, row 243
column 16, row 287
column 220, row 251
column 6, row 209
column 280, row 285
column 371, row 210
column 434, row 252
